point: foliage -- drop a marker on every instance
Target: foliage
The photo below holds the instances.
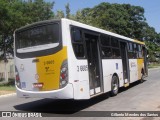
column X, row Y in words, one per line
column 123, row 19
column 59, row 14
column 67, row 10
column 11, row 82
column 7, row 88
column 154, row 65
column 17, row 13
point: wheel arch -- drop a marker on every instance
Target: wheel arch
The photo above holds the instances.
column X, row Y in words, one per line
column 115, row 74
column 142, row 71
column 114, row 91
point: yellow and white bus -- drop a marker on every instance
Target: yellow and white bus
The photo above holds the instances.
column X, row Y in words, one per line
column 65, row 59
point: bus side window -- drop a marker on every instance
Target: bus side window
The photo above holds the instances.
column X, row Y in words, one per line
column 106, row 50
column 76, row 35
column 130, row 50
column 114, row 42
column 140, row 51
column 77, row 43
column 115, row 48
column 105, row 40
column 79, row 50
column 116, row 53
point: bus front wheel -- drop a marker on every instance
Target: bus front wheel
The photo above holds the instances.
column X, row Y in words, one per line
column 114, row 86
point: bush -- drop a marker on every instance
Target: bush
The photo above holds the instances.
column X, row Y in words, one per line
column 11, row 82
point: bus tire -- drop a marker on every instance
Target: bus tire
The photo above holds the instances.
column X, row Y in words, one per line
column 142, row 76
column 114, row 86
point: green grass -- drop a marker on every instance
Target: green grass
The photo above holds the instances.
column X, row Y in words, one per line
column 154, row 65
column 7, row 88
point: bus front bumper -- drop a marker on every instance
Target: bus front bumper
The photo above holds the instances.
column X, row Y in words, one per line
column 64, row 93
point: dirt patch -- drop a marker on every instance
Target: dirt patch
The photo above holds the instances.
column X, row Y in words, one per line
column 3, row 92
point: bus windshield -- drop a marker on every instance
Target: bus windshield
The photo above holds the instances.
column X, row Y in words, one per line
column 37, row 38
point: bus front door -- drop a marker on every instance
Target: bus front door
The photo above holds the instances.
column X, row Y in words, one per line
column 94, row 64
column 125, row 63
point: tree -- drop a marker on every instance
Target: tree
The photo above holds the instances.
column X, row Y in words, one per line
column 123, row 19
column 38, row 10
column 67, row 10
column 17, row 13
column 59, row 14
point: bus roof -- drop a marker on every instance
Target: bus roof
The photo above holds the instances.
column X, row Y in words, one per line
column 82, row 25
column 37, row 23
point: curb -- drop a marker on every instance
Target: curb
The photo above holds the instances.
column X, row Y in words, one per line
column 7, row 95
column 154, row 68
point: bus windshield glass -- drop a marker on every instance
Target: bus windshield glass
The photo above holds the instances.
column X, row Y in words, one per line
column 37, row 38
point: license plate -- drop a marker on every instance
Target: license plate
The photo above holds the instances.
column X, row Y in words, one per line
column 37, row 85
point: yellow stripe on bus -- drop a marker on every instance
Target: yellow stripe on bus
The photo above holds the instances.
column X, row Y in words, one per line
column 137, row 41
column 140, row 63
column 48, row 69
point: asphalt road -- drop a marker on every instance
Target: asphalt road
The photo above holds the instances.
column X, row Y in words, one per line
column 138, row 97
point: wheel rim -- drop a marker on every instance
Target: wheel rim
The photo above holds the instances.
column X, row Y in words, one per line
column 115, row 85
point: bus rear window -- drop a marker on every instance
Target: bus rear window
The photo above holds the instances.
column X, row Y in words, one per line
column 38, row 40
column 40, row 35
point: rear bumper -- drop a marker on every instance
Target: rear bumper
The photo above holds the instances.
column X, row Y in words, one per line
column 64, row 93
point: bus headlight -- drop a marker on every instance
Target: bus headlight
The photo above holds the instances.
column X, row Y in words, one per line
column 17, row 78
column 64, row 74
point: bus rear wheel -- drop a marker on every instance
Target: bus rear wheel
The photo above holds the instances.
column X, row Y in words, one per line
column 114, row 86
column 142, row 76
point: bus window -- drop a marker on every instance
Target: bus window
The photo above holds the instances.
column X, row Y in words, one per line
column 139, row 51
column 41, row 35
column 79, row 50
column 106, row 52
column 105, row 40
column 130, row 50
column 77, row 42
column 135, row 48
column 77, row 35
column 36, row 41
column 116, row 53
column 114, row 42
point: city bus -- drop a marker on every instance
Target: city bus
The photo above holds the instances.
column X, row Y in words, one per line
column 65, row 59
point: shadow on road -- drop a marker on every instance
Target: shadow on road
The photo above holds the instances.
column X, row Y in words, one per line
column 64, row 106
column 131, row 86
column 59, row 106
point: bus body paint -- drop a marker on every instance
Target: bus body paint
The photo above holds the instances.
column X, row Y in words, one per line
column 48, row 69
column 140, row 63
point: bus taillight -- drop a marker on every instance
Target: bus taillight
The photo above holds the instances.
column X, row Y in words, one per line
column 17, row 77
column 18, row 83
column 64, row 74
